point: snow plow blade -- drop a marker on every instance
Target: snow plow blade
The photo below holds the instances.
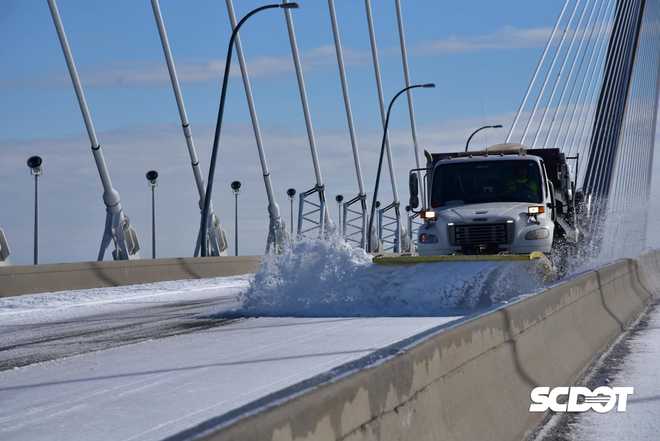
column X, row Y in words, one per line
column 534, row 263
column 408, row 259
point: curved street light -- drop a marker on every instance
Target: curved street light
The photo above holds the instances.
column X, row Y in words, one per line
column 382, row 151
column 467, row 144
column 221, row 109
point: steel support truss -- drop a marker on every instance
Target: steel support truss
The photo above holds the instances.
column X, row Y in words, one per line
column 389, row 228
column 312, row 214
column 354, row 221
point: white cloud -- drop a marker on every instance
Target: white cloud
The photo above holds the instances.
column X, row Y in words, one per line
column 154, row 73
column 72, row 211
column 508, row 37
column 505, row 38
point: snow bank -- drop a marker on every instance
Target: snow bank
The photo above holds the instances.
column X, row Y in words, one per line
column 316, row 278
column 97, row 296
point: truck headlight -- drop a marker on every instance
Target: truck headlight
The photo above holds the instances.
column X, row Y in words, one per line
column 537, row 234
column 428, row 215
column 535, row 209
column 428, row 238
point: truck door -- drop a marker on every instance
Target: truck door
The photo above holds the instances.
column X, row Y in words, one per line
column 550, row 192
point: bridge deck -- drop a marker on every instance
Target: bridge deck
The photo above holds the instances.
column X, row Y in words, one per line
column 159, row 387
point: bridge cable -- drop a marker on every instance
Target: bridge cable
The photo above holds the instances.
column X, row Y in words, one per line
column 536, row 71
column 549, row 71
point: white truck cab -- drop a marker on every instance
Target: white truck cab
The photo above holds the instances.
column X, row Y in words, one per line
column 496, row 201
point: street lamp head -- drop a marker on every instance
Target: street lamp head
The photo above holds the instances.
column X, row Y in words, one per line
column 34, row 162
column 291, row 192
column 467, row 144
column 339, row 198
column 428, row 85
column 292, row 5
column 152, row 177
column 236, row 186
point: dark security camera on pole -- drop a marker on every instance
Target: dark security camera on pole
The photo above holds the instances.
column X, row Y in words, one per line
column 291, row 192
column 36, row 169
column 236, row 188
column 339, row 199
column 152, row 177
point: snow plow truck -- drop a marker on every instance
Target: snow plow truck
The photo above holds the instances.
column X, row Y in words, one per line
column 506, row 202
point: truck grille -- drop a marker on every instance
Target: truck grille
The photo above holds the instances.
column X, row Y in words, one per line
column 475, row 235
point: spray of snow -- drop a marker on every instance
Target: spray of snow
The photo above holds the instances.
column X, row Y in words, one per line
column 315, row 278
column 621, row 234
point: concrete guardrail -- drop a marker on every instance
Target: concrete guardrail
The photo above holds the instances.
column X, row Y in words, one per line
column 29, row 279
column 466, row 381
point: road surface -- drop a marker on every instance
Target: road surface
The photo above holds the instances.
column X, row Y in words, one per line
column 143, row 364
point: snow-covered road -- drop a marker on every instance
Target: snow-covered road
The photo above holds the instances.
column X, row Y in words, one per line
column 157, row 388
column 146, row 362
column 160, row 386
column 48, row 326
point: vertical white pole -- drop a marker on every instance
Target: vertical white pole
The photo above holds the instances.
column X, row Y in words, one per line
column 381, row 98
column 115, row 219
column 347, row 101
column 406, row 76
column 276, row 227
column 303, row 95
column 174, row 79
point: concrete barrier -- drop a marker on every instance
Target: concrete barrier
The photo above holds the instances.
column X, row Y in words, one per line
column 17, row 280
column 468, row 381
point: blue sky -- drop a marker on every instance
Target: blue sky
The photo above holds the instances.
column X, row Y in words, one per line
column 480, row 54
column 118, row 52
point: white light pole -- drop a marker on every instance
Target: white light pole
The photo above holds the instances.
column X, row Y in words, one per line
column 36, row 169
column 152, row 177
column 291, row 193
column 339, row 198
column 236, row 187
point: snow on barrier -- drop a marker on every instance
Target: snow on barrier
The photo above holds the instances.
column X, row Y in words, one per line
column 30, row 279
column 468, row 381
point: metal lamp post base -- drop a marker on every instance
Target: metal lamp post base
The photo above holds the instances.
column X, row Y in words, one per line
column 119, row 231
column 4, row 249
column 216, row 240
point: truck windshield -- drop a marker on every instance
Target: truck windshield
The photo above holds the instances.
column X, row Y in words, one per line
column 477, row 182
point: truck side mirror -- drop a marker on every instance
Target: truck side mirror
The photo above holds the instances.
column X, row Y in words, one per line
column 413, row 185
